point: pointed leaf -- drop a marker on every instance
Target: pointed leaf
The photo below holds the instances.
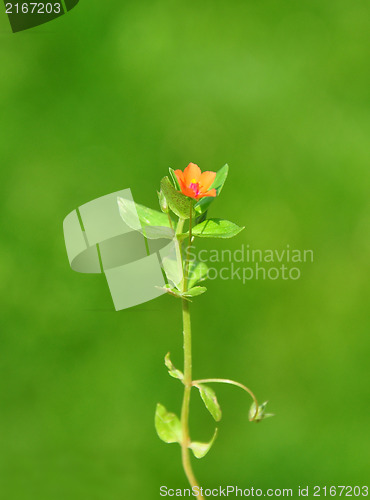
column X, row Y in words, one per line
column 173, row 269
column 221, row 175
column 178, row 203
column 128, row 213
column 195, row 291
column 174, row 179
column 216, row 228
column 209, row 398
column 201, row 218
column 141, row 218
column 167, row 425
column 197, row 272
column 150, row 217
column 174, row 372
column 201, row 449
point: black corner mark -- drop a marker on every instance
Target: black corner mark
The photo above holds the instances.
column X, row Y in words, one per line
column 26, row 14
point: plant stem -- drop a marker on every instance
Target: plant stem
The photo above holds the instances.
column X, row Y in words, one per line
column 186, row 273
column 179, row 229
column 185, row 453
column 170, row 220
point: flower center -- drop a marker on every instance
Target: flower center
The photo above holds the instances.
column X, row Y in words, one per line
column 194, row 185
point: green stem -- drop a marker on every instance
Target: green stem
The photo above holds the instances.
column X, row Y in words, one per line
column 185, row 453
column 170, row 220
column 186, row 273
column 179, row 229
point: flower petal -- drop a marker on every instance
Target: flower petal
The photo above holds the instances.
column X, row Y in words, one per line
column 188, row 192
column 211, row 192
column 191, row 173
column 206, row 180
column 180, row 175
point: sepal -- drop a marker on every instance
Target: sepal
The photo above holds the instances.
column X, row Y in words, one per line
column 178, row 202
column 203, row 204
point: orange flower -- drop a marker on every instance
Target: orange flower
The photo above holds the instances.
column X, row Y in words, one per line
column 194, row 183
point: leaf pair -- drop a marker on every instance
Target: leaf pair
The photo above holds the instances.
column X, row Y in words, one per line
column 207, row 394
column 192, row 292
column 156, row 224
column 168, row 427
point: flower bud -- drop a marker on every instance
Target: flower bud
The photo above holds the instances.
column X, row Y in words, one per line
column 261, row 412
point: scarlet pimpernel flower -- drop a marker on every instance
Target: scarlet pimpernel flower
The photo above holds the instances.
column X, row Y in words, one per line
column 195, row 184
column 185, row 199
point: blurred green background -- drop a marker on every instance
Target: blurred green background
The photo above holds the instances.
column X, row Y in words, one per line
column 108, row 97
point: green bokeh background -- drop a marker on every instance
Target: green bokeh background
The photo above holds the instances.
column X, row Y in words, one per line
column 108, row 97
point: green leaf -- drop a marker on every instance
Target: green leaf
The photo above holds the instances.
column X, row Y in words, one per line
column 174, row 372
column 158, row 232
column 201, row 449
column 201, row 218
column 195, row 291
column 174, row 179
column 261, row 413
column 197, row 272
column 153, row 223
column 178, row 203
column 172, row 268
column 204, row 203
column 167, row 425
column 209, row 399
column 150, row 217
column 216, row 228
